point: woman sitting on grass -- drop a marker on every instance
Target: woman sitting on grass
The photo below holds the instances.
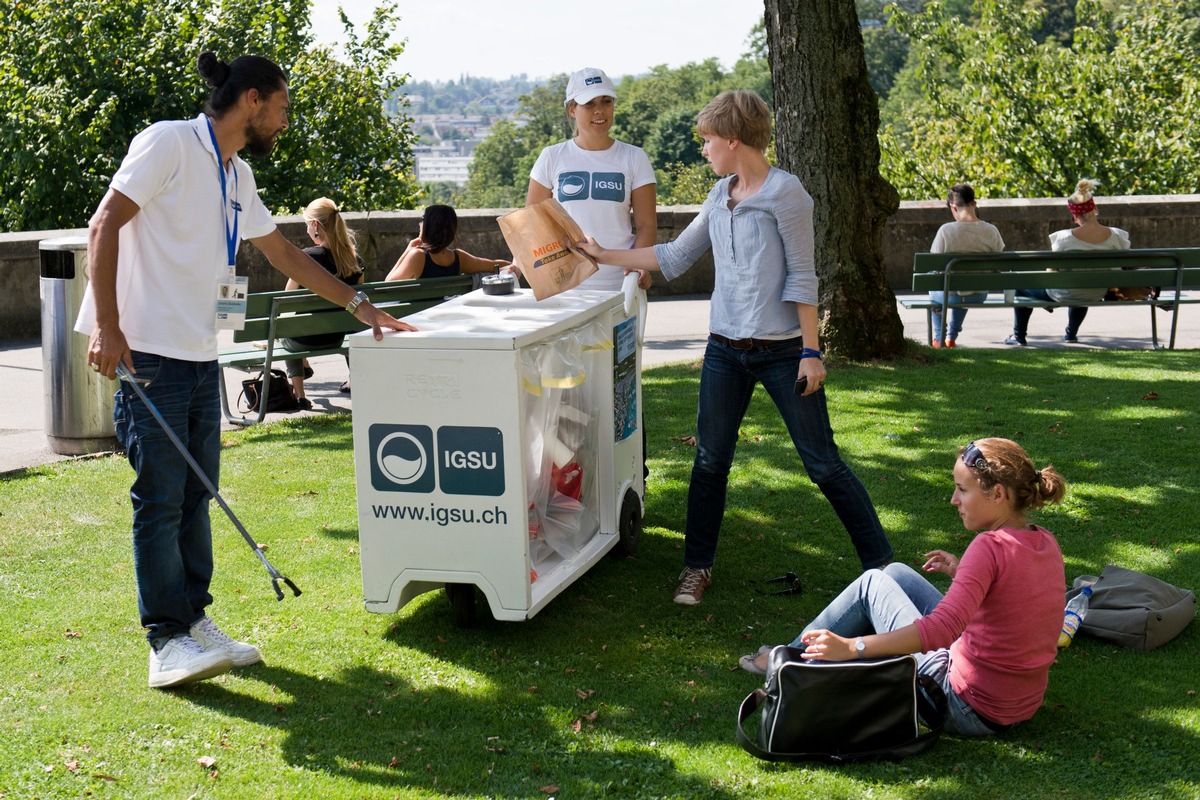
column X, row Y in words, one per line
column 991, row 639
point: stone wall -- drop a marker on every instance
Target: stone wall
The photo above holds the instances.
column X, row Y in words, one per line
column 1152, row 221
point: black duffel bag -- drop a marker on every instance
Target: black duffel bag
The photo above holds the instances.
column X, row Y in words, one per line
column 839, row 712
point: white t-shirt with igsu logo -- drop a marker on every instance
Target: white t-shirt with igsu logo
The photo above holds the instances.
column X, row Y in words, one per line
column 596, row 188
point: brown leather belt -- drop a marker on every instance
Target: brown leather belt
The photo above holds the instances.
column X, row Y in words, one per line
column 754, row 344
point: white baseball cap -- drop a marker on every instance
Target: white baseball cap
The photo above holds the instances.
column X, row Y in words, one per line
column 587, row 84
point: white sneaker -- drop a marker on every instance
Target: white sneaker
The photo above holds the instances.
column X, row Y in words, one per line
column 211, row 638
column 182, row 660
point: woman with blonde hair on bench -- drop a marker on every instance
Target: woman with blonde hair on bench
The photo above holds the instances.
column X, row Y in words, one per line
column 334, row 249
column 1088, row 234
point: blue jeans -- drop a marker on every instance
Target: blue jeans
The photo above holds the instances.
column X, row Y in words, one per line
column 172, row 538
column 727, row 382
column 1075, row 314
column 879, row 601
column 957, row 315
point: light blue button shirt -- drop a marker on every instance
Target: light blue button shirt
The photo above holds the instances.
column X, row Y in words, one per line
column 763, row 253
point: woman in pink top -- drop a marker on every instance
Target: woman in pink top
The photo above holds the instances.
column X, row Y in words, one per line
column 990, row 640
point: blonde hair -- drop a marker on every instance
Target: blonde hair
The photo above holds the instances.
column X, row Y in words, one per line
column 739, row 114
column 335, row 236
column 1085, row 190
column 1006, row 464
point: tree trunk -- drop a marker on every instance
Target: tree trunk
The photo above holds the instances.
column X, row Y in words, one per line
column 826, row 126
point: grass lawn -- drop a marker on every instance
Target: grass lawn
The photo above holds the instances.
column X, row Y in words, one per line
column 612, row 691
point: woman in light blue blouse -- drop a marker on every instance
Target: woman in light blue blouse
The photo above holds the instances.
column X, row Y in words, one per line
column 762, row 329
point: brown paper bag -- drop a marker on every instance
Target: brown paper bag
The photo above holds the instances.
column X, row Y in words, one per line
column 542, row 239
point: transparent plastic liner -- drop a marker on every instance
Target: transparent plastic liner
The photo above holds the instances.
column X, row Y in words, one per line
column 561, row 432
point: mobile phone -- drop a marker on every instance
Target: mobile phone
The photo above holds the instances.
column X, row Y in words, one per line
column 801, row 385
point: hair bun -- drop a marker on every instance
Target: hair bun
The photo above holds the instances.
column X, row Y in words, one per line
column 1086, row 187
column 214, row 71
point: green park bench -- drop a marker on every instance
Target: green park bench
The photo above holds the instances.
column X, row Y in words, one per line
column 287, row 314
column 1169, row 270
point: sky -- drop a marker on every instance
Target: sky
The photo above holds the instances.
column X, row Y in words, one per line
column 540, row 38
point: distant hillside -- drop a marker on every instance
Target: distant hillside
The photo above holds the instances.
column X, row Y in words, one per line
column 469, row 96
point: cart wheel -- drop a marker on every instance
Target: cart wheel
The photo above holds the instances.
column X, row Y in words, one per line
column 462, row 598
column 629, row 526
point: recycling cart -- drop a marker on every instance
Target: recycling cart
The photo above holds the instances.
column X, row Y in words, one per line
column 497, row 449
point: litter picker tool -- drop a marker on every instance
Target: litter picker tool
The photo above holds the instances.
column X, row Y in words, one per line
column 136, row 384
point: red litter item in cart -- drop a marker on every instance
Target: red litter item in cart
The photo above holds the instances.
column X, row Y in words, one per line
column 568, row 479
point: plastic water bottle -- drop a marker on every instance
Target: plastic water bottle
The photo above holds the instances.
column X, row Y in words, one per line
column 1073, row 616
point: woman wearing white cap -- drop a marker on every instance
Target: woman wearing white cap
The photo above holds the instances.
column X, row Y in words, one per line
column 607, row 186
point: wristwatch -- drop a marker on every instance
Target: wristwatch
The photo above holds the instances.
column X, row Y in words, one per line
column 356, row 301
column 860, row 647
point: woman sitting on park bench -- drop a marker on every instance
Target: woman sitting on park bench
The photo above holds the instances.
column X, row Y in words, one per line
column 335, row 251
column 1088, row 234
column 967, row 234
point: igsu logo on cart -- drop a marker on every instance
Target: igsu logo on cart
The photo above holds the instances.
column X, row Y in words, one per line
column 464, row 460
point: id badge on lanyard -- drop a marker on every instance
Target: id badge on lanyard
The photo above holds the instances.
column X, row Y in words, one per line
column 231, row 303
column 231, row 293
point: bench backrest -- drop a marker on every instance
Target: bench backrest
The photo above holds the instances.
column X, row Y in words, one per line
column 299, row 312
column 1045, row 269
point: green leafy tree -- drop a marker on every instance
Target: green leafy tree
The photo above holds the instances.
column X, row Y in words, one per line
column 342, row 142
column 673, row 139
column 67, row 111
column 642, row 100
column 685, row 184
column 499, row 170
column 1024, row 116
column 79, row 80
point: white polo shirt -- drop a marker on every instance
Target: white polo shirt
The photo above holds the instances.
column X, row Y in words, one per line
column 173, row 252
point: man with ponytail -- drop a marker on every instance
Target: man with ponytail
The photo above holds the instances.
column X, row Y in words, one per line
column 162, row 249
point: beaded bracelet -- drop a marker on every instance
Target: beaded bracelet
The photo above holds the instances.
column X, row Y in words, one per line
column 808, row 352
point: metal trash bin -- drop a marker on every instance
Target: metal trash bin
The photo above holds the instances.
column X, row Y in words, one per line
column 78, row 402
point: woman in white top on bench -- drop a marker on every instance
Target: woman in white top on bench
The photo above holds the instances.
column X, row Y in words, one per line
column 1088, row 234
column 967, row 234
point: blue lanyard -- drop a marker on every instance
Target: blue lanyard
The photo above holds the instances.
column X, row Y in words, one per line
column 231, row 237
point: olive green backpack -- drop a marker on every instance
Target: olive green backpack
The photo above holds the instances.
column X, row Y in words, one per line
column 1133, row 609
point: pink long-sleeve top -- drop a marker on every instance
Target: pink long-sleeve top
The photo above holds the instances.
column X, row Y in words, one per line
column 1001, row 618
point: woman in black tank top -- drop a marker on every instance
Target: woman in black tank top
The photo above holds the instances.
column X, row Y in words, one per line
column 431, row 255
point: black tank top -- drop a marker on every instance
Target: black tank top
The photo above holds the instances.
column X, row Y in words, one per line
column 433, row 270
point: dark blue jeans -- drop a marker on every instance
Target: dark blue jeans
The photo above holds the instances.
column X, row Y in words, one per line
column 727, row 382
column 1021, row 315
column 172, row 538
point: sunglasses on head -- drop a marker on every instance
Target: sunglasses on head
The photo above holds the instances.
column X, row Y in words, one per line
column 973, row 458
